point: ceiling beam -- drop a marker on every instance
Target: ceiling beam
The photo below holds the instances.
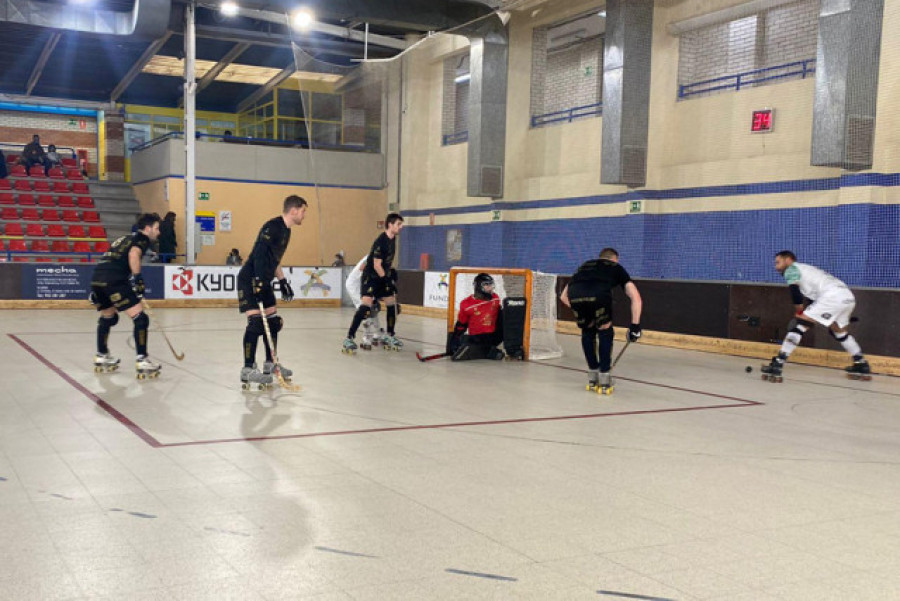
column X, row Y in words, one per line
column 210, row 76
column 137, row 67
column 267, row 87
column 38, row 70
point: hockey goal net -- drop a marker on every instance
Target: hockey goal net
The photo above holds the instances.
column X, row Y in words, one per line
column 539, row 289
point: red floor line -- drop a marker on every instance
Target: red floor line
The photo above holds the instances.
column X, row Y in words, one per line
column 112, row 411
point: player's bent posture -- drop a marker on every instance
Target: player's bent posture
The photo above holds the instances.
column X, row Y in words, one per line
column 589, row 294
column 481, row 315
column 117, row 286
column 832, row 306
column 254, row 286
column 378, row 284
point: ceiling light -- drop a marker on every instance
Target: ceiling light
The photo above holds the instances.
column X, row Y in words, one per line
column 463, row 78
column 302, row 19
column 602, row 14
column 229, row 9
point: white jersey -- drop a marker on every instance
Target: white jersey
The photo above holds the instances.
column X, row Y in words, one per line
column 354, row 282
column 813, row 282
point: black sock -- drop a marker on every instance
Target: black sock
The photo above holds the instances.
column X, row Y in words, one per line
column 141, row 325
column 251, row 339
column 391, row 319
column 589, row 345
column 104, row 325
column 358, row 318
column 606, row 345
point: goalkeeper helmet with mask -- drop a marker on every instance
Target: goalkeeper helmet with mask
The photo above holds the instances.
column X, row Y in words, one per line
column 483, row 280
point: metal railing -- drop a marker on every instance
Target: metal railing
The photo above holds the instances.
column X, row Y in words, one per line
column 59, row 149
column 179, row 135
column 798, row 69
column 455, row 138
column 567, row 115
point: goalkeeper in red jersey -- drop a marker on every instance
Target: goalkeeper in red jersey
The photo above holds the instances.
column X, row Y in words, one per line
column 481, row 316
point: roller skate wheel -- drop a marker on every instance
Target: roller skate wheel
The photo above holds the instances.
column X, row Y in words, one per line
column 97, row 369
column 245, row 386
column 590, row 387
column 765, row 377
column 140, row 376
column 608, row 390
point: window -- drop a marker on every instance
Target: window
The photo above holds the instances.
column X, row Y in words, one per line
column 567, row 70
column 455, row 110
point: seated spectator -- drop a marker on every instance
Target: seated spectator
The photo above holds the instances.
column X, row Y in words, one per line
column 167, row 238
column 52, row 159
column 33, row 154
column 234, row 258
column 338, row 259
column 3, row 171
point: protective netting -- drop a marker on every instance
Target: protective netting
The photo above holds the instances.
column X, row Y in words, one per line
column 541, row 304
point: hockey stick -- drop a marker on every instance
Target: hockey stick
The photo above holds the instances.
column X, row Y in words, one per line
column 160, row 328
column 424, row 358
column 619, row 356
column 277, row 366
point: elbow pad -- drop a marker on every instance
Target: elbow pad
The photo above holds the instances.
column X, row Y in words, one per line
column 796, row 295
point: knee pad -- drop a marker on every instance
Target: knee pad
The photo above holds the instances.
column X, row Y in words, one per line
column 141, row 321
column 110, row 321
column 794, row 337
column 838, row 337
column 255, row 325
column 275, row 323
column 607, row 334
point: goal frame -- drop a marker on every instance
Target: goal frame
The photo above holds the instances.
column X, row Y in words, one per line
column 520, row 272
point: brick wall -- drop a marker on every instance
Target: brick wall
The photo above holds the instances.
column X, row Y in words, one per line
column 774, row 37
column 115, row 147
column 448, row 107
column 565, row 78
column 18, row 128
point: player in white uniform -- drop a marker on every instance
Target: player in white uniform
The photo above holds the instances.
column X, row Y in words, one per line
column 832, row 305
column 372, row 335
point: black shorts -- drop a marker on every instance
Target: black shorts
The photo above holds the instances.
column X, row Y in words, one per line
column 118, row 294
column 591, row 304
column 247, row 301
column 377, row 287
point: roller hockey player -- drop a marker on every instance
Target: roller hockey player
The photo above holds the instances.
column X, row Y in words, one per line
column 832, row 306
column 589, row 294
column 373, row 335
column 255, row 286
column 117, row 286
column 479, row 314
column 378, row 284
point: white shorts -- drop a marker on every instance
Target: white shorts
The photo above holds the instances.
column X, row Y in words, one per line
column 835, row 307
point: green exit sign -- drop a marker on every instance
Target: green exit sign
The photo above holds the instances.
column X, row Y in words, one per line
column 636, row 206
column 204, row 195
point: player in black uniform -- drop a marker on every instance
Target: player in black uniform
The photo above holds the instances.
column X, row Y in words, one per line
column 378, row 284
column 255, row 285
column 589, row 294
column 117, row 286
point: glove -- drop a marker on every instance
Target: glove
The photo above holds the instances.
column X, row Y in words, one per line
column 92, row 297
column 634, row 332
column 258, row 286
column 137, row 284
column 454, row 338
column 287, row 293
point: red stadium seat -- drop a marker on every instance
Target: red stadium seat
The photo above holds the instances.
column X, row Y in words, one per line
column 101, row 247
column 70, row 163
column 6, row 198
column 80, row 188
column 13, row 229
column 18, row 245
column 64, row 260
column 34, row 229
column 85, row 202
column 81, row 247
column 73, row 174
column 65, row 202
column 23, row 185
column 5, row 184
column 71, row 216
column 9, row 214
column 50, row 215
column 12, row 159
column 61, row 187
column 60, row 246
column 18, row 171
column 97, row 231
column 42, row 186
column 56, row 173
column 37, row 171
column 91, row 216
column 77, row 231
column 45, row 200
column 40, row 246
column 55, row 230
column 30, row 215
column 26, row 200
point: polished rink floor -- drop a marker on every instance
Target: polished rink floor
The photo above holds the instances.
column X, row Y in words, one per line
column 385, row 478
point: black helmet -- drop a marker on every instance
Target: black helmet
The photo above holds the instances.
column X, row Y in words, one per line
column 482, row 280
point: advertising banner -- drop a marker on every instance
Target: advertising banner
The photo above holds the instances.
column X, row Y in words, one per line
column 205, row 282
column 73, row 282
column 437, row 289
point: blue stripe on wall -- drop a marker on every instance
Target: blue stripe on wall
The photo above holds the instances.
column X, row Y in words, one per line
column 857, row 243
